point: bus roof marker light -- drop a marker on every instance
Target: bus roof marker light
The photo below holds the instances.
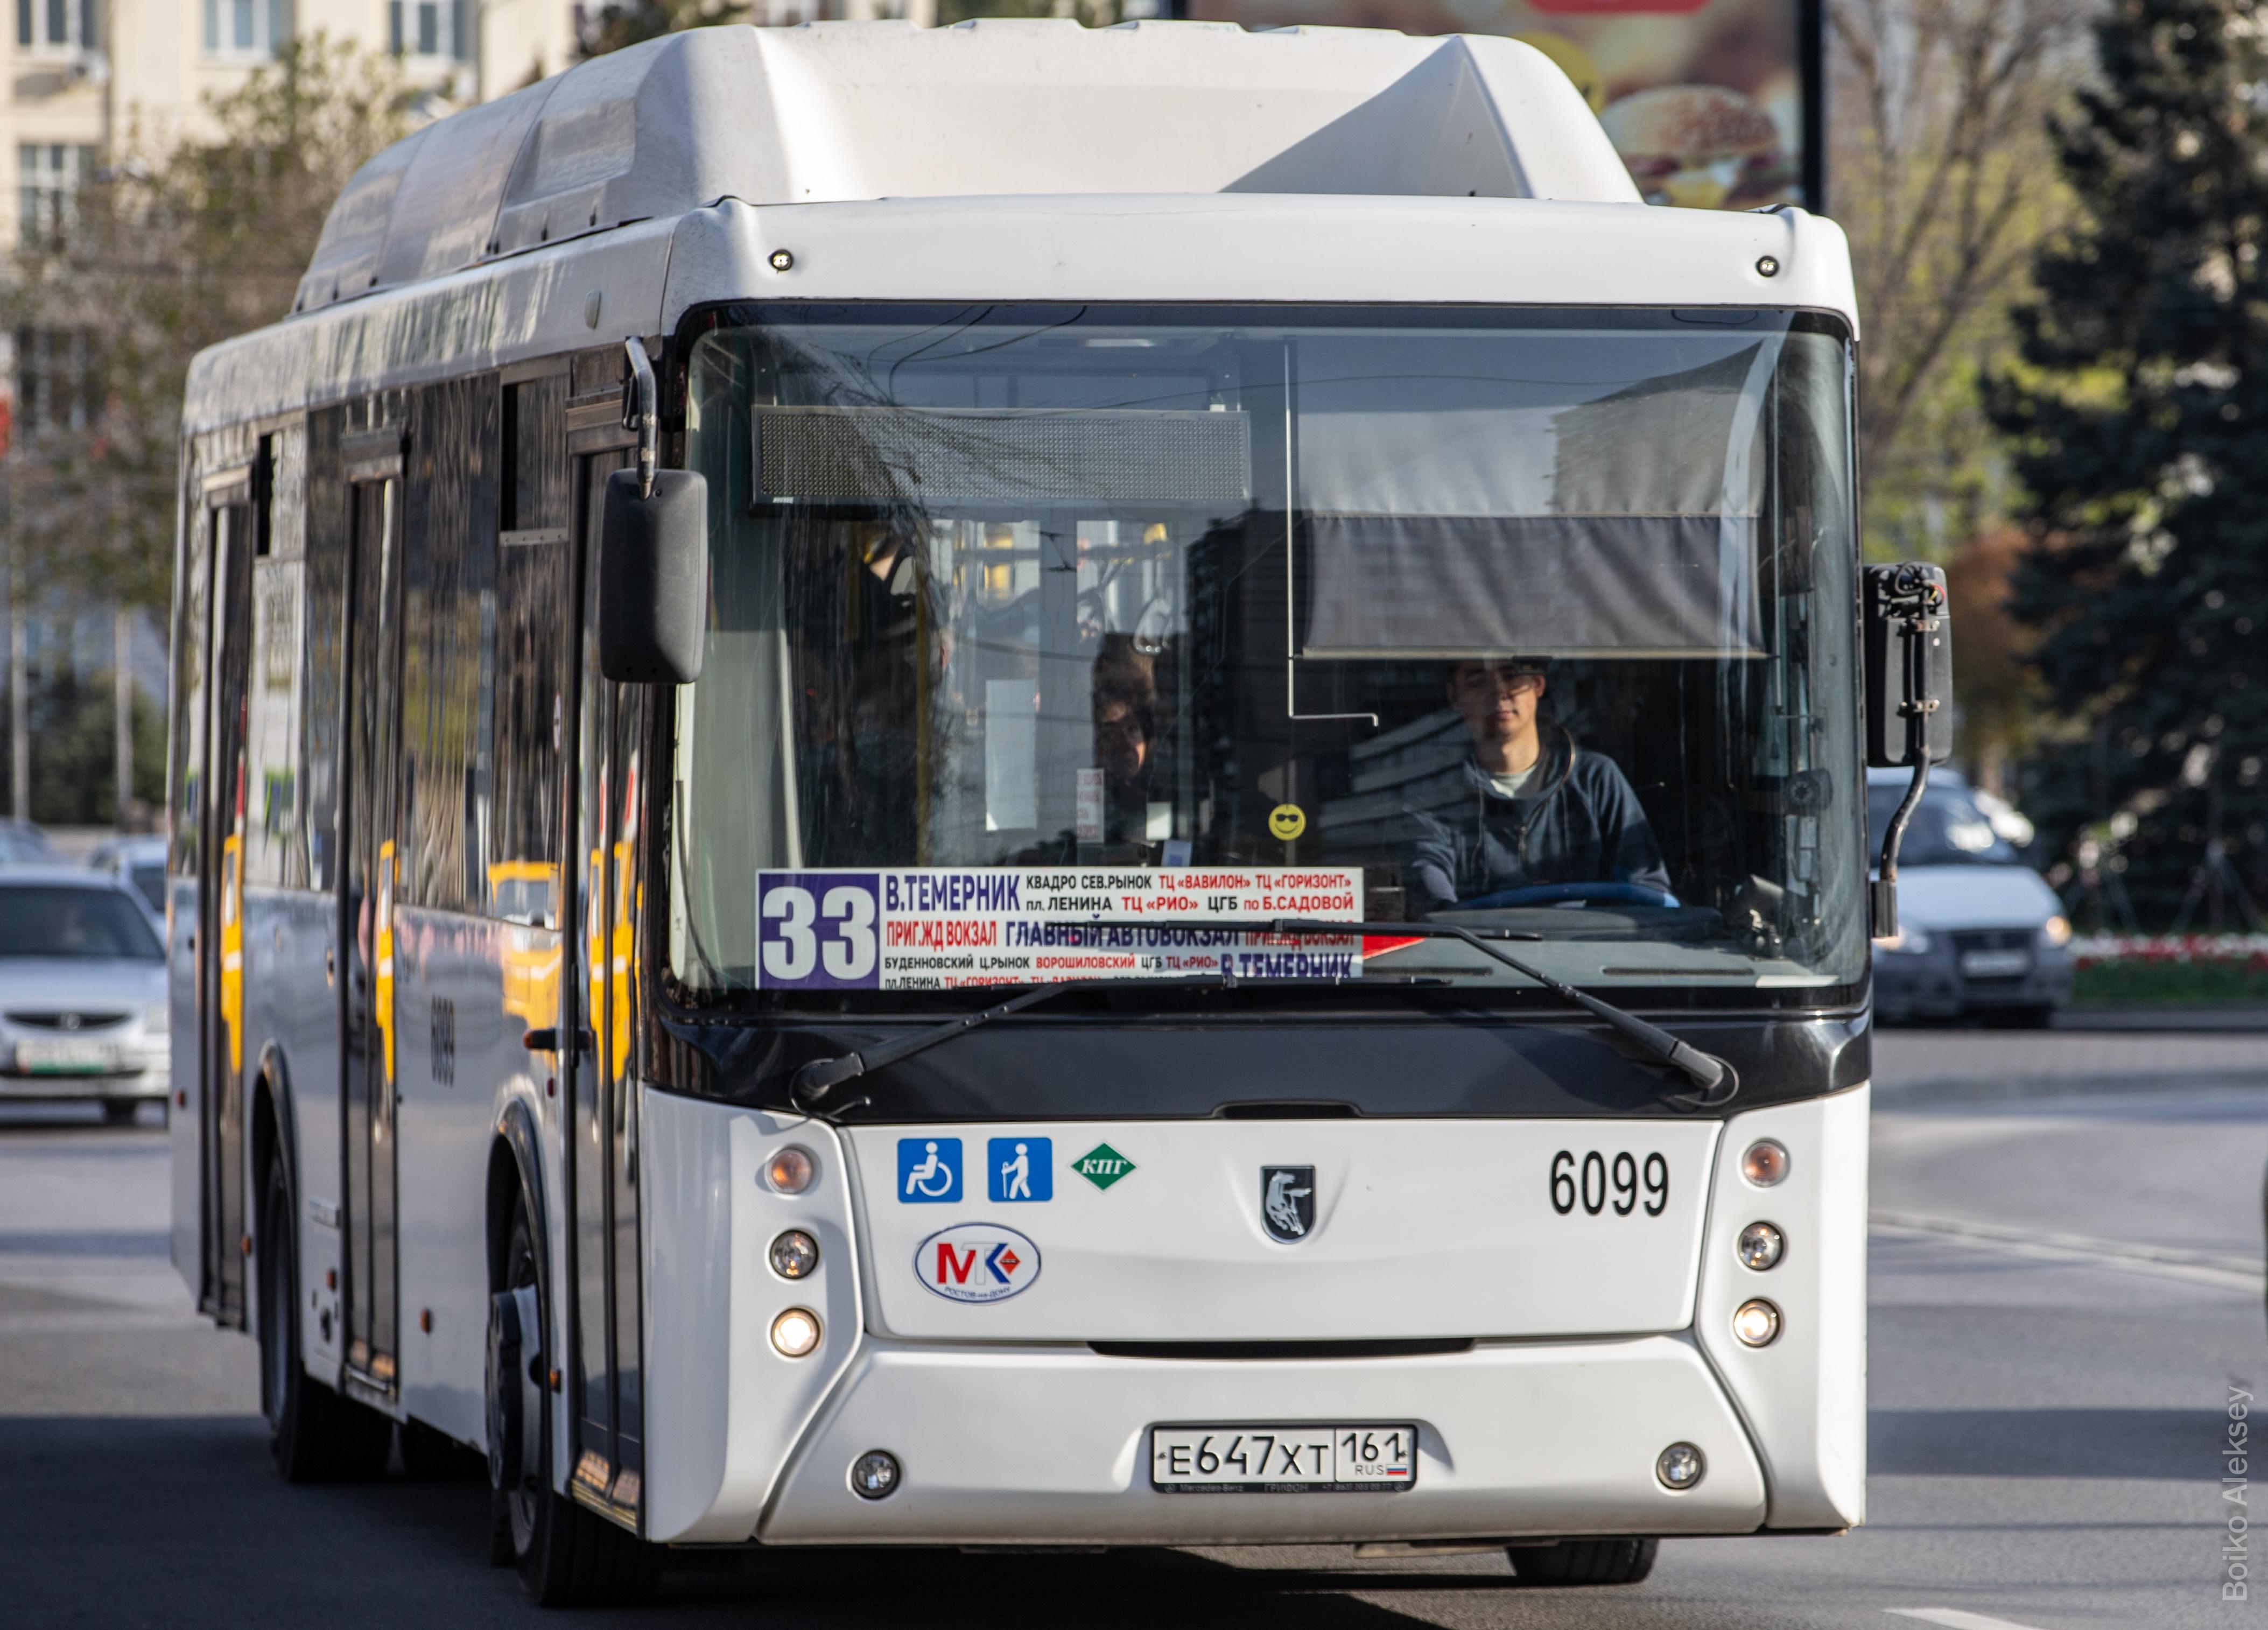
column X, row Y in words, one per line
column 1755, row 1324
column 789, row 1170
column 795, row 1333
column 1679, row 1467
column 874, row 1475
column 1765, row 1164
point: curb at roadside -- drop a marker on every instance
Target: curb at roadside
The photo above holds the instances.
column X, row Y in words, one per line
column 1943, row 1091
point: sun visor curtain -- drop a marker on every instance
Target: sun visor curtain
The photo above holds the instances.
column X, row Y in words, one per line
column 1564, row 585
column 1625, row 526
column 958, row 457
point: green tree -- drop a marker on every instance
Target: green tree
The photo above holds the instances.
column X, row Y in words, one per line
column 166, row 252
column 2137, row 414
column 73, row 722
column 1941, row 170
column 1941, row 174
column 626, row 22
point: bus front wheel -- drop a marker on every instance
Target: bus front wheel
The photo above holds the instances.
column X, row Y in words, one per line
column 567, row 1557
column 1585, row 1563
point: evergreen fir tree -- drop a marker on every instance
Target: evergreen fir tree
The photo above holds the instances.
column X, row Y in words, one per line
column 2139, row 424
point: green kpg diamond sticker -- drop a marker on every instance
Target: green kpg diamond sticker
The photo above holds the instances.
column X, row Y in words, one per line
column 1102, row 1166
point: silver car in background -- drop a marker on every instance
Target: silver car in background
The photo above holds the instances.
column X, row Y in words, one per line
column 1979, row 933
column 140, row 861
column 83, row 1014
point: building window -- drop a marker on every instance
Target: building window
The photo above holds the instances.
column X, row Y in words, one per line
column 47, row 174
column 257, row 28
column 51, row 379
column 59, row 25
column 431, row 28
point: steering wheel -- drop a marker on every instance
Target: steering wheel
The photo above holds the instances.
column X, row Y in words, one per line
column 1561, row 894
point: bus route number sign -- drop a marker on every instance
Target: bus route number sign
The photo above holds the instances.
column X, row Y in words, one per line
column 942, row 928
column 819, row 931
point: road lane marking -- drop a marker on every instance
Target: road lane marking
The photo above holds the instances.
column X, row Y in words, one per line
column 1956, row 1618
column 2222, row 1269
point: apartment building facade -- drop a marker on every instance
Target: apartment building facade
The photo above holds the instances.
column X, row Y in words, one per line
column 87, row 78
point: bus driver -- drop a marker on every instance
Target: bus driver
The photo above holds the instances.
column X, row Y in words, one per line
column 1540, row 810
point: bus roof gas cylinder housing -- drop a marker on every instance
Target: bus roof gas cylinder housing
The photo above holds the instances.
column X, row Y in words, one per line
column 834, row 113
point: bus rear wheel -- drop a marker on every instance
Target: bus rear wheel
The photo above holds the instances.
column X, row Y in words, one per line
column 567, row 1557
column 1585, row 1563
column 315, row 1435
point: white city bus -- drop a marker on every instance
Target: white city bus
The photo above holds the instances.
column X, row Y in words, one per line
column 1026, row 786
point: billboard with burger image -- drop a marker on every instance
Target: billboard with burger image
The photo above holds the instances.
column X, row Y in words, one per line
column 1713, row 104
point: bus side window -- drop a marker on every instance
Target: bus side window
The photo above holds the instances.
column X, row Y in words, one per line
column 325, row 593
column 533, row 592
column 449, row 565
column 274, row 855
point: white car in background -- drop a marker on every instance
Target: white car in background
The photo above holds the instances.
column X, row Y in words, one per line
column 83, row 1014
column 1979, row 932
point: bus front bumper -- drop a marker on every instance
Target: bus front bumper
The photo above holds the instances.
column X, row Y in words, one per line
column 1050, row 1445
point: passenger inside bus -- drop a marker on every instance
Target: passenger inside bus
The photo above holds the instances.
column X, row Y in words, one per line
column 1125, row 728
column 1545, row 820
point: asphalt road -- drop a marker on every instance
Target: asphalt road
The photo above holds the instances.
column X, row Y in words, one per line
column 2067, row 1280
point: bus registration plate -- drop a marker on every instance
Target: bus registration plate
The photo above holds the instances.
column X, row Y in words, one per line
column 1283, row 1460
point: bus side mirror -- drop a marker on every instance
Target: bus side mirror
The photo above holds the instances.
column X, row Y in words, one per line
column 1909, row 660
column 653, row 579
column 1908, row 667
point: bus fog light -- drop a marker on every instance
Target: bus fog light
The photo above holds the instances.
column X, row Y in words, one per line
column 795, row 1332
column 1680, row 1466
column 794, row 1254
column 874, row 1475
column 1756, row 1323
column 1760, row 1247
column 1765, row 1164
column 791, row 1170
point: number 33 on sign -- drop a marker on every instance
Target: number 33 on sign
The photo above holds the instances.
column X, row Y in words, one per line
column 817, row 930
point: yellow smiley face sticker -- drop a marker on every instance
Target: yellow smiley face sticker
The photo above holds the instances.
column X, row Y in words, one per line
column 1287, row 820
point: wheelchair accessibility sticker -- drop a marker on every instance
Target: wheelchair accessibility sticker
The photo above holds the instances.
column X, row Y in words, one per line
column 977, row 1262
column 929, row 1170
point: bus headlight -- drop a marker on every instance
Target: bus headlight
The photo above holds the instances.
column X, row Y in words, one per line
column 1756, row 1323
column 794, row 1254
column 1759, row 1247
column 795, row 1332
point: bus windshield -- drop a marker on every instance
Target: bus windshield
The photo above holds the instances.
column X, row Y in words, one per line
column 1532, row 620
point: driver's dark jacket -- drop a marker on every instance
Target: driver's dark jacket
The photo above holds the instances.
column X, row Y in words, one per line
column 1584, row 825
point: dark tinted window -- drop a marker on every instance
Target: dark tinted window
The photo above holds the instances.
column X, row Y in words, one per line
column 1946, row 830
column 63, row 922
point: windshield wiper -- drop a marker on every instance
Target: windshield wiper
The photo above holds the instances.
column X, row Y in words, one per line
column 1716, row 1080
column 821, row 1076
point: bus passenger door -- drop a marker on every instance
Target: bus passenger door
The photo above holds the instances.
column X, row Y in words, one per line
column 220, row 895
column 610, row 1462
column 367, row 886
